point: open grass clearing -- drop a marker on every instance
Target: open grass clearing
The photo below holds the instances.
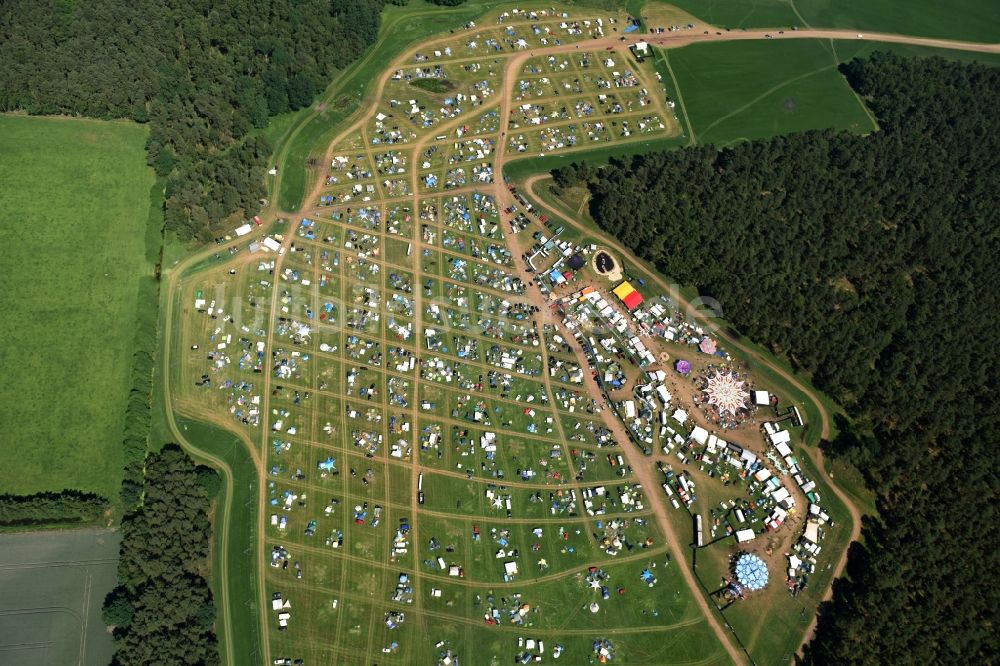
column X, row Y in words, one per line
column 437, row 86
column 749, row 90
column 76, row 200
column 661, row 15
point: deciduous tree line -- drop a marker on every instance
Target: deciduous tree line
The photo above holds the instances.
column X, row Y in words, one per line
column 163, row 611
column 870, row 263
column 67, row 507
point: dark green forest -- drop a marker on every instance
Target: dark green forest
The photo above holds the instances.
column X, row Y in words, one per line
column 870, row 263
column 67, row 507
column 202, row 73
column 162, row 609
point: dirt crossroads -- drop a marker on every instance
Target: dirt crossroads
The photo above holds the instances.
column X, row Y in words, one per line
column 645, row 473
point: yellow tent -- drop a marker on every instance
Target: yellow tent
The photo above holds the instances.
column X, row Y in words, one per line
column 623, row 290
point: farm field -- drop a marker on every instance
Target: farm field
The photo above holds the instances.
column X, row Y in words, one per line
column 749, row 90
column 76, row 201
column 963, row 20
column 53, row 584
column 744, row 90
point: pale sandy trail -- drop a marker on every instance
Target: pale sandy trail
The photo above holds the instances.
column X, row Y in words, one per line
column 845, row 34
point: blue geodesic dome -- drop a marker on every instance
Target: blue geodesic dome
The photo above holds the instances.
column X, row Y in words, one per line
column 751, row 572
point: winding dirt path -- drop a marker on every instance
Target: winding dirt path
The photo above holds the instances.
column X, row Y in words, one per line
column 224, row 508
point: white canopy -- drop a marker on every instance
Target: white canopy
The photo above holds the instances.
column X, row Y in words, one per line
column 812, row 531
column 699, row 435
column 781, row 437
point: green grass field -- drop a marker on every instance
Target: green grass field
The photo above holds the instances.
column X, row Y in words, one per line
column 749, row 90
column 75, row 199
column 962, row 20
column 741, row 14
column 846, row 49
column 54, row 584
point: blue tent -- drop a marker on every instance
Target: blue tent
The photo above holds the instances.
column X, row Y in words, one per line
column 751, row 571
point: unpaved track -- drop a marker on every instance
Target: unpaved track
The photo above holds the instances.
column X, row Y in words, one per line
column 644, row 473
column 643, row 470
column 666, row 40
column 223, row 509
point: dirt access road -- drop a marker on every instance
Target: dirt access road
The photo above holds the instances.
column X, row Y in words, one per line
column 644, row 472
column 666, row 40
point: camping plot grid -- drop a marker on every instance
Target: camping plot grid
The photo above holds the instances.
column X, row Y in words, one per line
column 330, row 420
column 442, row 481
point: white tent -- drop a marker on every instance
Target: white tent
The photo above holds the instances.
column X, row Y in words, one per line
column 812, row 531
column 781, row 437
column 699, row 435
column 780, row 494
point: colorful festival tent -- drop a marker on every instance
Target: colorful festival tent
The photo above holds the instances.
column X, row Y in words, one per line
column 726, row 391
column 627, row 294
